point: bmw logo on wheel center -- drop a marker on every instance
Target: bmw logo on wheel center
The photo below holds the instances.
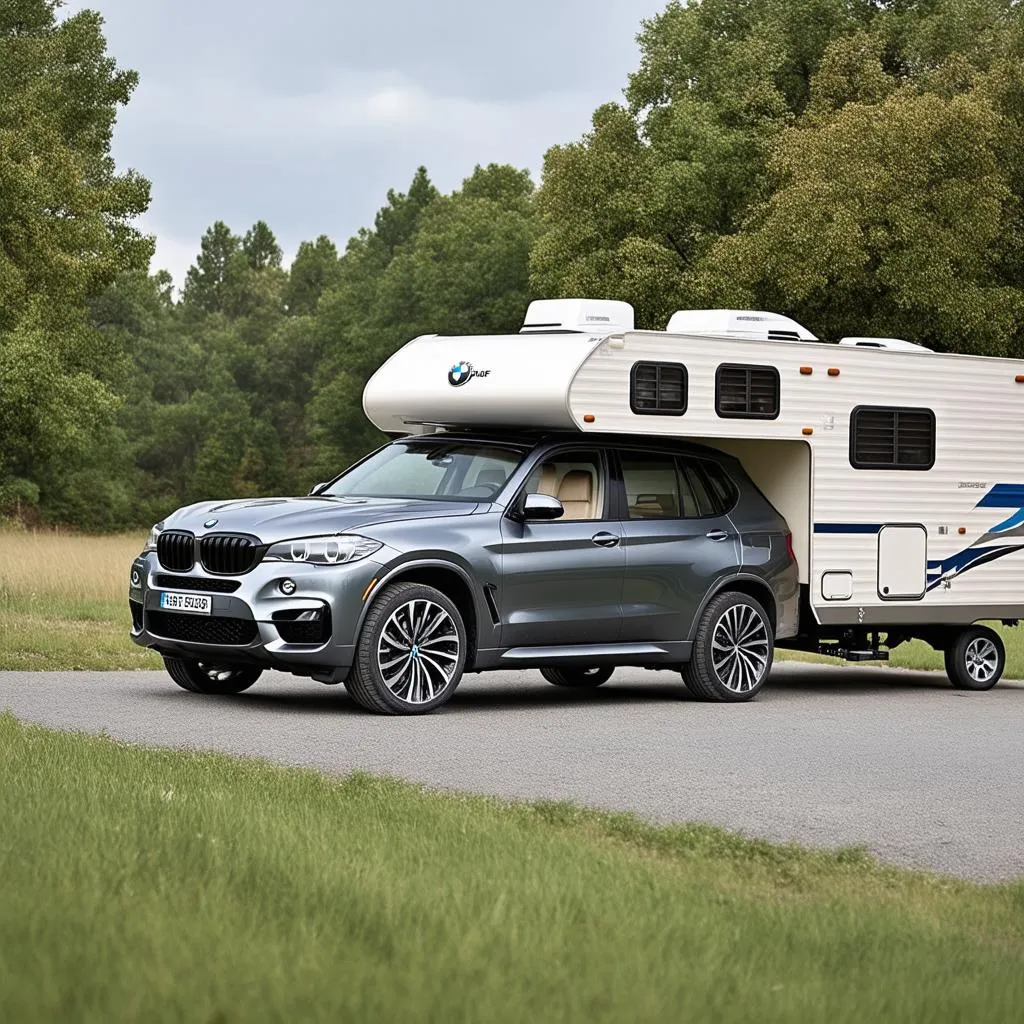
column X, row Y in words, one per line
column 460, row 373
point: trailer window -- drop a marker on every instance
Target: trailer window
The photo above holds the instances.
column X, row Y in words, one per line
column 658, row 389
column 892, row 438
column 747, row 392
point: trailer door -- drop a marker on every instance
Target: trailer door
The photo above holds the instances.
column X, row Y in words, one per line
column 902, row 561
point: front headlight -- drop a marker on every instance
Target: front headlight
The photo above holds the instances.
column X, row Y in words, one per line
column 333, row 550
column 154, row 536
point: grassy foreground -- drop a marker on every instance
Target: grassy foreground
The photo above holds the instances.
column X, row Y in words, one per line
column 199, row 887
column 63, row 605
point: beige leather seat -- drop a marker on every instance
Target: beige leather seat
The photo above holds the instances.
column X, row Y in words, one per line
column 576, row 493
column 548, row 480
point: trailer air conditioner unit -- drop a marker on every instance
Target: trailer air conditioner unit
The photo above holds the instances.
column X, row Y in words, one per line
column 897, row 343
column 738, row 323
column 578, row 316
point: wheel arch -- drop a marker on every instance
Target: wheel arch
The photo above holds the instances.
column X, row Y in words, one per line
column 751, row 586
column 450, row 580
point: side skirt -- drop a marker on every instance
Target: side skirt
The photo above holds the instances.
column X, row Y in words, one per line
column 635, row 654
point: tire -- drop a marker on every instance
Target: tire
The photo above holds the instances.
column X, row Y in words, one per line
column 391, row 674
column 737, row 674
column 975, row 659
column 206, row 677
column 584, row 677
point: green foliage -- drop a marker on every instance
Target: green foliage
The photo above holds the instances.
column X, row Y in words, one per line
column 853, row 163
column 66, row 232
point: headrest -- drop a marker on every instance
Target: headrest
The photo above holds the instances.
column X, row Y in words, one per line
column 576, row 485
column 491, row 476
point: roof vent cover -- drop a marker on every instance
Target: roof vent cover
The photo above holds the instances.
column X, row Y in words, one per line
column 578, row 316
column 746, row 323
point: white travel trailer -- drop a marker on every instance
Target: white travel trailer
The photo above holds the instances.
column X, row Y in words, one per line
column 899, row 470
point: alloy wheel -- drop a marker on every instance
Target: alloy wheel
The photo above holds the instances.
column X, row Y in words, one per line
column 740, row 648
column 418, row 651
column 981, row 659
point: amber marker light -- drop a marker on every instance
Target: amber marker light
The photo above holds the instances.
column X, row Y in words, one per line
column 962, row 530
column 807, row 431
column 1019, row 379
column 366, row 592
column 807, row 370
column 588, row 417
column 833, row 371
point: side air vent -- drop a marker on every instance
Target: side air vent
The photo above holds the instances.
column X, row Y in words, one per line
column 747, row 392
column 176, row 550
column 229, row 554
column 658, row 389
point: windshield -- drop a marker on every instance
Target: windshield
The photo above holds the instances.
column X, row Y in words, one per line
column 430, row 469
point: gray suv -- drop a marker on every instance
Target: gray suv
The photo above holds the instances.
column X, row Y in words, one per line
column 450, row 553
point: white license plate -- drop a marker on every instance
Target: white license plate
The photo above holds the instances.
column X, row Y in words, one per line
column 198, row 604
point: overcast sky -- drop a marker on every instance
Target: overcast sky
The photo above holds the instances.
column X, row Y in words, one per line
column 303, row 113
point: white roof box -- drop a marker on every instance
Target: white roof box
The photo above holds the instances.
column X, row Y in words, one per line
column 884, row 343
column 745, row 323
column 587, row 316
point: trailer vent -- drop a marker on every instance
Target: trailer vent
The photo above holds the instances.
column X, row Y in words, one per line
column 658, row 389
column 892, row 438
column 747, row 392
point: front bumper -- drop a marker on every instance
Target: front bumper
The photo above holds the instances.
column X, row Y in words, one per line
column 245, row 626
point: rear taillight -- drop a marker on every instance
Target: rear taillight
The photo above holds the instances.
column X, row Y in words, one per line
column 789, row 547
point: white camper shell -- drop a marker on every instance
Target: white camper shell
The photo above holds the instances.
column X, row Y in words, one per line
column 900, row 471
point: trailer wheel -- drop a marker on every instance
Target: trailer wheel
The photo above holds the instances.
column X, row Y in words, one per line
column 732, row 650
column 586, row 678
column 975, row 659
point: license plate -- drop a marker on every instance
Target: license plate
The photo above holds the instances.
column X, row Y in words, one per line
column 197, row 604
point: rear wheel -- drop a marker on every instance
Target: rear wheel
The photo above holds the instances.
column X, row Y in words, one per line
column 975, row 659
column 732, row 650
column 411, row 652
column 582, row 678
column 208, row 677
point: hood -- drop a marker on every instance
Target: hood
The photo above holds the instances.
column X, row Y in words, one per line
column 274, row 519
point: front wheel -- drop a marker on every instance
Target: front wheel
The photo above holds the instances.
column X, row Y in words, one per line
column 583, row 678
column 410, row 653
column 732, row 650
column 206, row 677
column 976, row 658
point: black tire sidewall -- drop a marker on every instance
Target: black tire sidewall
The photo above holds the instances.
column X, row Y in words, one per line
column 366, row 667
column 956, row 659
column 699, row 673
column 573, row 678
column 189, row 676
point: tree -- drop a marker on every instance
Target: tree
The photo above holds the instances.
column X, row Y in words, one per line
column 207, row 282
column 754, row 162
column 314, row 270
column 66, row 232
column 260, row 247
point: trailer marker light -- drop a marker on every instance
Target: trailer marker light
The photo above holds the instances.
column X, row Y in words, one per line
column 588, row 417
column 808, row 431
column 1019, row 379
column 833, row 371
column 807, row 370
column 962, row 530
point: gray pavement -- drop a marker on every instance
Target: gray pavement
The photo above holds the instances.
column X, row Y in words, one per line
column 923, row 775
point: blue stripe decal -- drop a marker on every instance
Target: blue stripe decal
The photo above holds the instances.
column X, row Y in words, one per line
column 1003, row 496
column 847, row 527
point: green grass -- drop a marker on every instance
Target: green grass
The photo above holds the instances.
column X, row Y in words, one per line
column 160, row 885
column 53, row 634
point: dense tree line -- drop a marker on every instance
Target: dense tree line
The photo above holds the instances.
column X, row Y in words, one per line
column 854, row 163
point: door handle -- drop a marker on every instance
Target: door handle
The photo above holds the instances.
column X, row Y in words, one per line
column 716, row 535
column 605, row 540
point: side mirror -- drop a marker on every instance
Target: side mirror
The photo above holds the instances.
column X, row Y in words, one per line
column 315, row 489
column 539, row 507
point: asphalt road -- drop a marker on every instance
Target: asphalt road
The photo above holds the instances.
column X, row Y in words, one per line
column 923, row 775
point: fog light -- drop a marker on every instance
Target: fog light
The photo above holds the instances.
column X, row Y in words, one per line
column 287, row 587
column 136, row 578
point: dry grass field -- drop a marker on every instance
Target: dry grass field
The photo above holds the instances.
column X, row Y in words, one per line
column 63, row 602
column 64, row 605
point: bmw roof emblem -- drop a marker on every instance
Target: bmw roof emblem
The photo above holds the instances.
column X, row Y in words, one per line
column 210, row 522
